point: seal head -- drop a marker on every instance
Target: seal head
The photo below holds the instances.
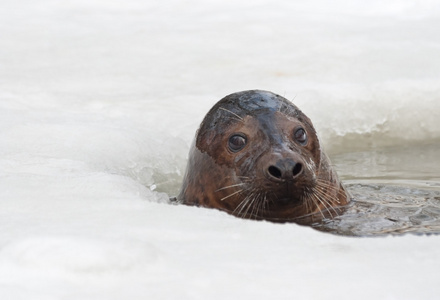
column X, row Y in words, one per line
column 256, row 155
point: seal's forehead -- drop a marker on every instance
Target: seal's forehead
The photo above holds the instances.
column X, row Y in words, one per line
column 250, row 102
column 260, row 109
column 233, row 108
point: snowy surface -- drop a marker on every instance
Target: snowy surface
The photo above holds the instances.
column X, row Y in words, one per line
column 99, row 102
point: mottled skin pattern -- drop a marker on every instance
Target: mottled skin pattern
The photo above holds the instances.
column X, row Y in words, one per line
column 278, row 175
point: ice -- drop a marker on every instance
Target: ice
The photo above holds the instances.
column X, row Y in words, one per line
column 99, row 103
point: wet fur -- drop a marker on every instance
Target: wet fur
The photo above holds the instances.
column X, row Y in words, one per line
column 236, row 182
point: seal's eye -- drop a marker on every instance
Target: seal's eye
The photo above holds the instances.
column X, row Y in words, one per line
column 300, row 136
column 237, row 142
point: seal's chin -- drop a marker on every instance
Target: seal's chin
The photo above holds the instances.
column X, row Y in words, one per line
column 286, row 194
column 282, row 203
column 286, row 201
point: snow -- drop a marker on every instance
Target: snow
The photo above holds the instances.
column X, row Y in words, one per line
column 151, row 250
column 99, row 102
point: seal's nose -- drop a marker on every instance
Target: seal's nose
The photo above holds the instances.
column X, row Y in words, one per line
column 284, row 169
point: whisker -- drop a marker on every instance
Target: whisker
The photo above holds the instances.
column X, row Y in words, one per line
column 239, row 191
column 251, row 204
column 245, row 207
column 327, row 202
column 242, row 204
column 245, row 179
column 259, row 205
column 306, row 198
column 316, row 200
column 326, row 193
column 240, row 118
column 327, row 206
column 230, row 186
column 265, row 204
column 322, row 187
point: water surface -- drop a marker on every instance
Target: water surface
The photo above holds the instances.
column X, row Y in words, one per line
column 395, row 190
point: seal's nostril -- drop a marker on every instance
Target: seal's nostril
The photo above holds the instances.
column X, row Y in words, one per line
column 297, row 169
column 275, row 172
column 287, row 170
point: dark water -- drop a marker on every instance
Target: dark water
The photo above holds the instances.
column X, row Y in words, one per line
column 395, row 191
column 379, row 209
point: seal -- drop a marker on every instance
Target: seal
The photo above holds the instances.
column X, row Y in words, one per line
column 257, row 156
